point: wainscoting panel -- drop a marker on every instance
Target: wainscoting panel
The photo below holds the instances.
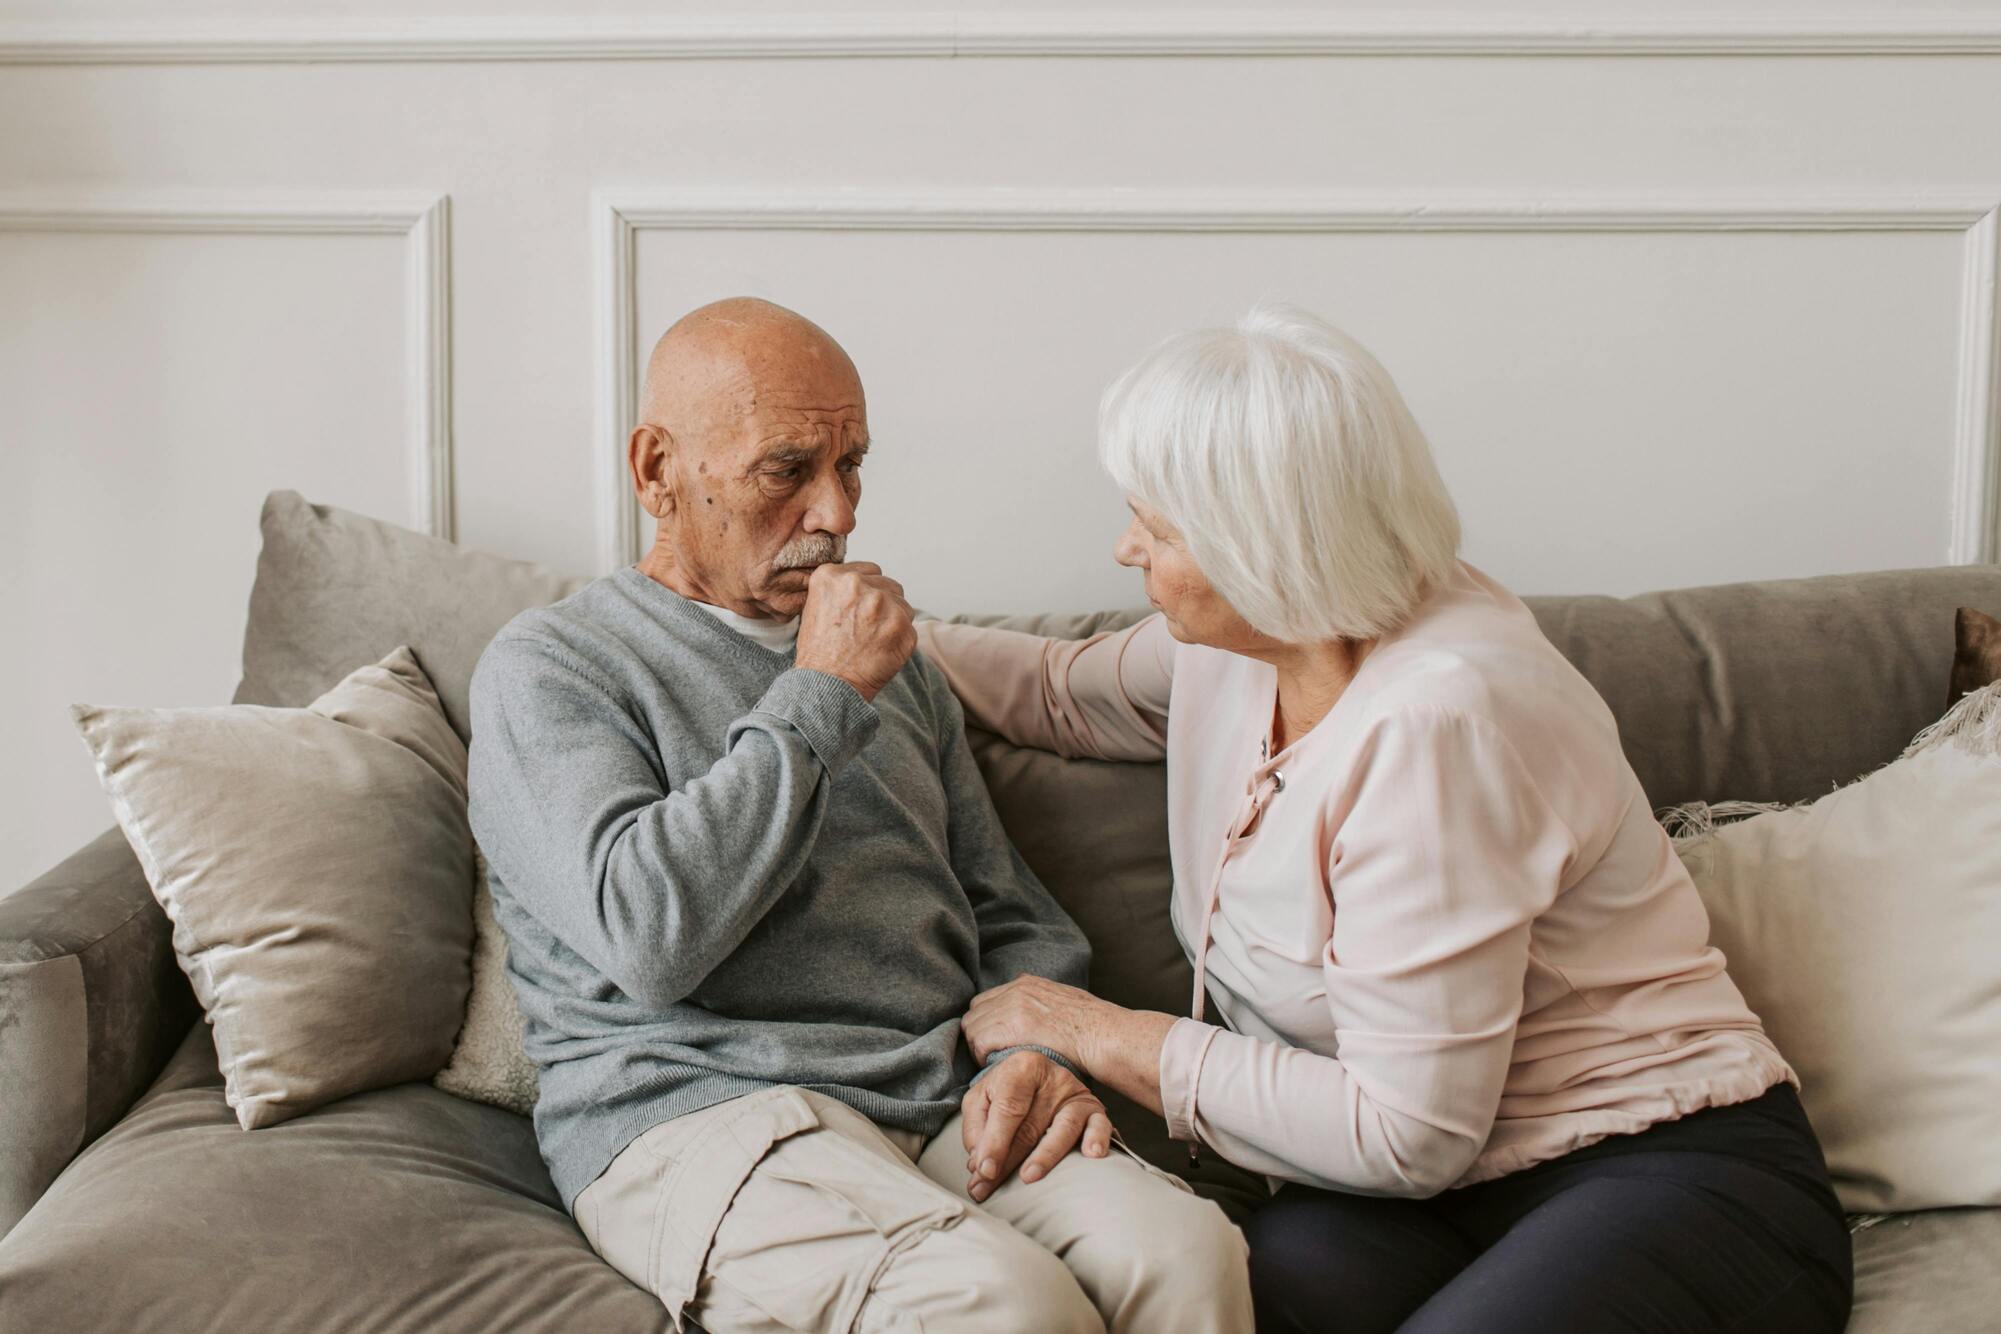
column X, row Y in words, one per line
column 166, row 360
column 1619, row 371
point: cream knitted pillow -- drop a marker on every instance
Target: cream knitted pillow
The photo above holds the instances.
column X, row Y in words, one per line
column 1864, row 928
column 488, row 1063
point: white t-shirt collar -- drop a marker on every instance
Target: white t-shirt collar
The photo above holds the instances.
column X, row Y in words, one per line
column 778, row 636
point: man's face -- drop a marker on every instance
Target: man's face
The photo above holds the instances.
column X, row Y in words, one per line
column 771, row 490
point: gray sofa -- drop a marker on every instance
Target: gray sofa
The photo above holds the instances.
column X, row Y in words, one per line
column 130, row 1200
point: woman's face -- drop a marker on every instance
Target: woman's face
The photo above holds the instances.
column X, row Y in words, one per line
column 1196, row 613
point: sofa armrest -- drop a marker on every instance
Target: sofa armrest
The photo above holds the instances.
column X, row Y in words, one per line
column 92, row 1002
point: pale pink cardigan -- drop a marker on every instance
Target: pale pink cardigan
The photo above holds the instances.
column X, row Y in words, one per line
column 1447, row 934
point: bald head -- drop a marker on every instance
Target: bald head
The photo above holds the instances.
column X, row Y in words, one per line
column 748, row 452
column 709, row 368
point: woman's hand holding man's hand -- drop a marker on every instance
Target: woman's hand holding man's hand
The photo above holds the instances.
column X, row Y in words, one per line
column 1119, row 1048
column 1034, row 1010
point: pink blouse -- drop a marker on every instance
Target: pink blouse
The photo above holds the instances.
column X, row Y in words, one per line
column 1447, row 935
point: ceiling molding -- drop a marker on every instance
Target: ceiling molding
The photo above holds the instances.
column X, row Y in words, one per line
column 997, row 33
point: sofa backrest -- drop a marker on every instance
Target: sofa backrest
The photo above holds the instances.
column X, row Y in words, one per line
column 1779, row 690
column 332, row 584
column 1772, row 691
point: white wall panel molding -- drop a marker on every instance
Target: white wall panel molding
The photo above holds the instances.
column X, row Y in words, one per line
column 1973, row 508
column 422, row 220
column 1976, row 476
column 999, row 32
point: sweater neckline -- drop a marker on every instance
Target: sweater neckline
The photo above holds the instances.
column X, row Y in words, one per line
column 685, row 612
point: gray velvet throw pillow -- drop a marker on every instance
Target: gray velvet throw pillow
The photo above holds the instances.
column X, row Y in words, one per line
column 317, row 867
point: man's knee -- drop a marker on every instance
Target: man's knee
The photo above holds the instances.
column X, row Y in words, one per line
column 977, row 1273
column 1032, row 1289
column 1151, row 1255
column 1189, row 1245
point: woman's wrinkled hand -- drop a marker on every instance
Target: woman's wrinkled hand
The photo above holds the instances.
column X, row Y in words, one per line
column 1033, row 1010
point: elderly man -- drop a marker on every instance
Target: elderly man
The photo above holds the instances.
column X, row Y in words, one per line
column 750, row 879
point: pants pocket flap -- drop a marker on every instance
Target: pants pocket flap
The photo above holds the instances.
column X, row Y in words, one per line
column 708, row 1171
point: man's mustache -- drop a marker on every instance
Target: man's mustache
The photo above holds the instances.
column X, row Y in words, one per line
column 814, row 549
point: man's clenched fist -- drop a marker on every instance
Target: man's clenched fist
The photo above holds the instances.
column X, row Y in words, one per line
column 856, row 626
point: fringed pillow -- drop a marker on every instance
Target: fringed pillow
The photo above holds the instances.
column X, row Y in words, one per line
column 1864, row 928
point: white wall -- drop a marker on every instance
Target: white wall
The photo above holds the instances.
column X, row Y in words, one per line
column 1682, row 293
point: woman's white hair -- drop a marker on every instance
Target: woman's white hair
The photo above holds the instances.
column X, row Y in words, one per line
column 1283, row 452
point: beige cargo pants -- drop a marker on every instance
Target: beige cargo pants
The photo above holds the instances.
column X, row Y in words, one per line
column 787, row 1210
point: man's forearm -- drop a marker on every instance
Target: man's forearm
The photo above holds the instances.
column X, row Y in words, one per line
column 667, row 884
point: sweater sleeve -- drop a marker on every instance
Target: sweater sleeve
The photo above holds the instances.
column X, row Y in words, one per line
column 1022, row 929
column 1102, row 698
column 653, row 888
column 1445, row 855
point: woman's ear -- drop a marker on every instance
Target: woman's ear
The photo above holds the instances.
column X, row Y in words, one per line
column 647, row 457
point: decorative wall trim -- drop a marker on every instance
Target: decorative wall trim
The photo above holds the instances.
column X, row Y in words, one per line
column 998, row 32
column 422, row 220
column 1976, row 471
column 618, row 215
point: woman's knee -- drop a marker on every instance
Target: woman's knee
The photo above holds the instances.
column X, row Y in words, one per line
column 1692, row 1241
column 1374, row 1261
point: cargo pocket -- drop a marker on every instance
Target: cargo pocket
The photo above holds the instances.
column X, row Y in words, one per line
column 887, row 1194
column 891, row 1196
column 708, row 1170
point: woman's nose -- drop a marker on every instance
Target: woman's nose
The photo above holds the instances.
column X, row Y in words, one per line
column 1126, row 551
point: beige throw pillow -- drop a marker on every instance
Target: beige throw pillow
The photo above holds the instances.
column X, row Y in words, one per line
column 317, row 867
column 1864, row 928
column 489, row 1063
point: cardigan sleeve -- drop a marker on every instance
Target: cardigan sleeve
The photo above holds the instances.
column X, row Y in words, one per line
column 1441, row 852
column 1102, row 698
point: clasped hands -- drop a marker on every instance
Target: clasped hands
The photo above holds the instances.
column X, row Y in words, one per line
column 1028, row 1111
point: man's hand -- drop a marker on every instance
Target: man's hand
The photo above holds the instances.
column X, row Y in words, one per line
column 855, row 625
column 1028, row 1108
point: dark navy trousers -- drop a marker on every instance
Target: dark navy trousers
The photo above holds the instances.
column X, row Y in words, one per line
column 1723, row 1219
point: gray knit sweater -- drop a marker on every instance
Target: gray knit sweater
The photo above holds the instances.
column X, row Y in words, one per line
column 719, row 872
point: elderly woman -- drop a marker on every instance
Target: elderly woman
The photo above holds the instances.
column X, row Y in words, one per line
column 1472, row 1029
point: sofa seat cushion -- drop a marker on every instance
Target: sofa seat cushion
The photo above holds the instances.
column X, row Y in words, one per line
column 1927, row 1272
column 404, row 1208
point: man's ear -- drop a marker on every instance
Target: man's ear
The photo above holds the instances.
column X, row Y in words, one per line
column 649, row 459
